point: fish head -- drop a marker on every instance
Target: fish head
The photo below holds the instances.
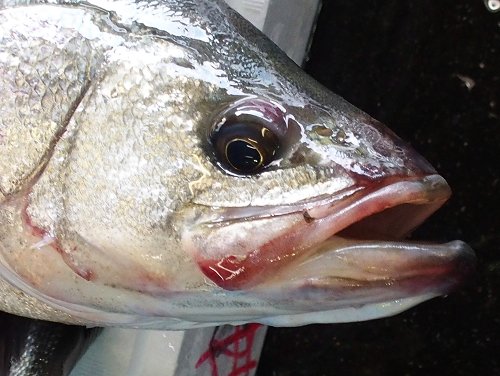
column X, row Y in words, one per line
column 183, row 172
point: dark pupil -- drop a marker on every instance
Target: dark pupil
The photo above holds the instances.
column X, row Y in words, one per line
column 243, row 156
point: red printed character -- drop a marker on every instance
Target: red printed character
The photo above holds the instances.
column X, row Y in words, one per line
column 231, row 348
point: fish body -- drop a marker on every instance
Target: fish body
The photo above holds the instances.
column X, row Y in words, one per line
column 164, row 165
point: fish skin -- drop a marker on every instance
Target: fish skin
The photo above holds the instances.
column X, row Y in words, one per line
column 117, row 211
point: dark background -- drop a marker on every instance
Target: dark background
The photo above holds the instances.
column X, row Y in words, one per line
column 406, row 63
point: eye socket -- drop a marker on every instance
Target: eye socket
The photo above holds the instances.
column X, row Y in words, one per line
column 244, row 147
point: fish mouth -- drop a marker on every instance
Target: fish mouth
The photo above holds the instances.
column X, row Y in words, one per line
column 337, row 252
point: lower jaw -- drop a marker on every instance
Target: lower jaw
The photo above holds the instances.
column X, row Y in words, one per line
column 345, row 271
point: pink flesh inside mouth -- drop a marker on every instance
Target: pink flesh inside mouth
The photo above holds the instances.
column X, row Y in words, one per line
column 387, row 212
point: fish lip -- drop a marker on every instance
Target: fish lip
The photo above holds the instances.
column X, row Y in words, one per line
column 391, row 210
column 377, row 210
column 372, row 272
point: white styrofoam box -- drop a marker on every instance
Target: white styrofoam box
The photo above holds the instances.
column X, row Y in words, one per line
column 217, row 351
column 288, row 23
column 254, row 11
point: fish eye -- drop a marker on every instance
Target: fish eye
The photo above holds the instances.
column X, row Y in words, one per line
column 244, row 148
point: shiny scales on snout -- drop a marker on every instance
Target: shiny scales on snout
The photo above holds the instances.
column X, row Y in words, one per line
column 164, row 165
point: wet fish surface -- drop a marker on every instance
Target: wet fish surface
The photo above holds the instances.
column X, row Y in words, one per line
column 164, row 165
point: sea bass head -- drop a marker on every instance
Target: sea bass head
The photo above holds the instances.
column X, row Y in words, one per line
column 164, row 165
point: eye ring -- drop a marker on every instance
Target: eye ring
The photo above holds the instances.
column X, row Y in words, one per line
column 248, row 136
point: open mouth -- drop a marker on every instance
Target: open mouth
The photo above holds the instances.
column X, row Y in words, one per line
column 351, row 241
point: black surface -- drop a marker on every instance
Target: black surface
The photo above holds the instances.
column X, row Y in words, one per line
column 405, row 62
column 40, row 348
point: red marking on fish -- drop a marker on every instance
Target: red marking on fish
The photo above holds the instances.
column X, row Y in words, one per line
column 229, row 272
column 41, row 233
column 229, row 347
column 239, row 272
